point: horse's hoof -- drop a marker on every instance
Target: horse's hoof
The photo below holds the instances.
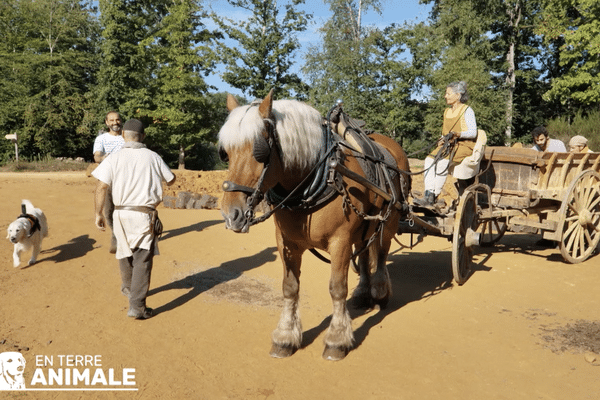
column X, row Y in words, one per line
column 382, row 303
column 332, row 353
column 281, row 351
column 362, row 302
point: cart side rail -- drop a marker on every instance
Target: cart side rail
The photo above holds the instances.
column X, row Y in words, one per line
column 530, row 174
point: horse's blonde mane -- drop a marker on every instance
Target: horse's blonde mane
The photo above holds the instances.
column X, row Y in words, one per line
column 299, row 129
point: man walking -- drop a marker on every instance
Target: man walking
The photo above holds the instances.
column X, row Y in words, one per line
column 105, row 144
column 134, row 175
column 110, row 141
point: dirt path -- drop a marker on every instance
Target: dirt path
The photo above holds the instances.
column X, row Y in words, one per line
column 516, row 330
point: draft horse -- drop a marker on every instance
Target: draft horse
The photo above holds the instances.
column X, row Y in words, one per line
column 272, row 147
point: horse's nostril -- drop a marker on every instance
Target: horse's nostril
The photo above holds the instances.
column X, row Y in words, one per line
column 237, row 215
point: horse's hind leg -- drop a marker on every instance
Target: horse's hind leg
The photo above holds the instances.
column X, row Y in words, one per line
column 287, row 337
column 339, row 337
column 381, row 284
column 361, row 297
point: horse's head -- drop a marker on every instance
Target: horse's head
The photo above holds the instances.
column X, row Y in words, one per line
column 248, row 141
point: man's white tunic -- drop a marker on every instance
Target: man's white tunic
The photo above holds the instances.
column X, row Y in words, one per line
column 135, row 175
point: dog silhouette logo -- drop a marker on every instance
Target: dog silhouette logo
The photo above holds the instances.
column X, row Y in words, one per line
column 12, row 366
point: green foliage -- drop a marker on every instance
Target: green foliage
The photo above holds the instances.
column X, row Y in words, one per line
column 476, row 42
column 177, row 110
column 46, row 66
column 267, row 45
column 586, row 125
column 63, row 65
column 126, row 64
column 576, row 23
column 365, row 67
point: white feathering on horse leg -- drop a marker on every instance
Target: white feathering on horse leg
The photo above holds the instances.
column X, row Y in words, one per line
column 340, row 334
column 289, row 328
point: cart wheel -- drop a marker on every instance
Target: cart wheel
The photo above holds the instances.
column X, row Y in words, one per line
column 581, row 229
column 465, row 236
column 492, row 230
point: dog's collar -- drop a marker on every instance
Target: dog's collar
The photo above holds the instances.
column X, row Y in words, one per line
column 35, row 223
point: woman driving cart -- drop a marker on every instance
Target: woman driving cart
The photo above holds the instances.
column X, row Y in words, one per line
column 459, row 133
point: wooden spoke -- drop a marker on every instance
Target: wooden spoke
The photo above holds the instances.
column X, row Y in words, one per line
column 581, row 218
column 492, row 230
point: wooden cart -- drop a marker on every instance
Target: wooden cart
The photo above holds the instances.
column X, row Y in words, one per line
column 521, row 190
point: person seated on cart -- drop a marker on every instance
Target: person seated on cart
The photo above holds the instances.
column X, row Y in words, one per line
column 459, row 133
column 542, row 141
column 578, row 144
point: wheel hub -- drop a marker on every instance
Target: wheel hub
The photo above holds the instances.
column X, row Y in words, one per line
column 472, row 238
column 585, row 217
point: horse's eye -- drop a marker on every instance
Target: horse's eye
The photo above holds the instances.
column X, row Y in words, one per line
column 223, row 154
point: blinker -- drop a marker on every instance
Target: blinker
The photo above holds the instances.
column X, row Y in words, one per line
column 261, row 150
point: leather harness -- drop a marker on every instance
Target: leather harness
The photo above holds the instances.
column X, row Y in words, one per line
column 35, row 223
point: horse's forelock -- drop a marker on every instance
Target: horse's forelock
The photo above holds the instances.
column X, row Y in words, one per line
column 298, row 127
column 241, row 126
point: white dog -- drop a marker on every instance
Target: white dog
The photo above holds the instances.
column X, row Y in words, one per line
column 27, row 232
column 12, row 365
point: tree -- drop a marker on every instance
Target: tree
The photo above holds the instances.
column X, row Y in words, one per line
column 48, row 62
column 576, row 23
column 378, row 73
column 337, row 68
column 179, row 107
column 267, row 46
column 126, row 64
column 491, row 45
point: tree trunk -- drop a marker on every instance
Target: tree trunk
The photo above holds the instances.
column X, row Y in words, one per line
column 510, row 83
column 181, row 157
column 514, row 14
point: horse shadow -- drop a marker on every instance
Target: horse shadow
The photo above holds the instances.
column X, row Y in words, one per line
column 203, row 281
column 75, row 248
column 414, row 277
column 198, row 227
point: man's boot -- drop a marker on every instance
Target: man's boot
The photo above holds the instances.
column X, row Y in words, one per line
column 428, row 199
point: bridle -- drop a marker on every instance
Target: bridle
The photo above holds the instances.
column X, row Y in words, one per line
column 261, row 151
column 263, row 148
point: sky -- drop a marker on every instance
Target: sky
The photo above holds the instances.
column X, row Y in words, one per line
column 394, row 11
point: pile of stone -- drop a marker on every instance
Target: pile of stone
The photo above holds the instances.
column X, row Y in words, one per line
column 191, row 201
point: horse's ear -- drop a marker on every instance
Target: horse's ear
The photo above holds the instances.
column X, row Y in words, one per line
column 232, row 102
column 266, row 106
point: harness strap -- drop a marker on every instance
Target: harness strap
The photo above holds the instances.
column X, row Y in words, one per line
column 229, row 186
column 35, row 223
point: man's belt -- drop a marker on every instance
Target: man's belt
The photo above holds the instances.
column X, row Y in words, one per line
column 143, row 209
column 156, row 227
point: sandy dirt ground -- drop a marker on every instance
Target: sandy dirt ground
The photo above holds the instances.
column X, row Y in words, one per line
column 524, row 326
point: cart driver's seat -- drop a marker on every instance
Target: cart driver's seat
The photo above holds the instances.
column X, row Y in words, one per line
column 469, row 167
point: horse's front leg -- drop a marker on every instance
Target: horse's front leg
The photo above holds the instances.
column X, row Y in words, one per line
column 339, row 337
column 287, row 337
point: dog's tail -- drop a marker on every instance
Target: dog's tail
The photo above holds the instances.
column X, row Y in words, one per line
column 27, row 207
